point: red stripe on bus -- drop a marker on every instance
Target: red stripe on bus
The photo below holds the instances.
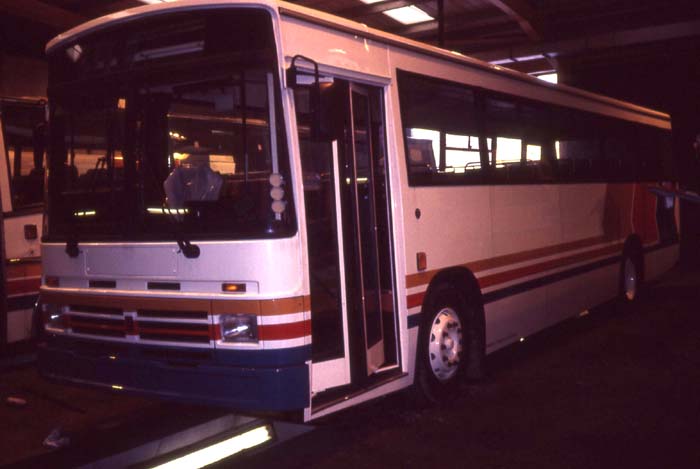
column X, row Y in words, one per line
column 73, row 322
column 515, row 274
column 416, row 299
column 292, row 330
column 27, row 267
column 23, row 285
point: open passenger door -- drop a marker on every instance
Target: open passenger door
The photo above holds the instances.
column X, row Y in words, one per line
column 346, row 190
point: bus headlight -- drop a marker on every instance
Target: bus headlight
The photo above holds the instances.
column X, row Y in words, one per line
column 239, row 327
column 52, row 316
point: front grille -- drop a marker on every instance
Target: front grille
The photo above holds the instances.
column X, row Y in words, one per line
column 95, row 310
column 97, row 326
column 186, row 327
column 151, row 313
column 174, row 332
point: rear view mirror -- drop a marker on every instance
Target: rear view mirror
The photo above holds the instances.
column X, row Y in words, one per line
column 298, row 78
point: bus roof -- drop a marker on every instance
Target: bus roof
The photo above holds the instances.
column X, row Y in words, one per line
column 343, row 25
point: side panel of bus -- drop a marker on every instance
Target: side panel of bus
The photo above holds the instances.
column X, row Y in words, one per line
column 22, row 124
column 540, row 252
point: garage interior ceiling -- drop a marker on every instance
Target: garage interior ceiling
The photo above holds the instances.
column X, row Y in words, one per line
column 528, row 35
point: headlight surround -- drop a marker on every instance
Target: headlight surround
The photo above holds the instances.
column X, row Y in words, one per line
column 239, row 328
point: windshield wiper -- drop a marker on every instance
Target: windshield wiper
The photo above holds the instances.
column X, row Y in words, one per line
column 72, row 245
column 189, row 250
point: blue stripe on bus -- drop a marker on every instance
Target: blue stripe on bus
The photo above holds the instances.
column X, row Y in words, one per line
column 195, row 356
column 547, row 279
column 414, row 320
column 553, row 278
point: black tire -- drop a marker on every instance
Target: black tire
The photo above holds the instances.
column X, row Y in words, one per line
column 444, row 354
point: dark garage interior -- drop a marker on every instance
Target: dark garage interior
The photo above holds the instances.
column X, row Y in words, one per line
column 616, row 388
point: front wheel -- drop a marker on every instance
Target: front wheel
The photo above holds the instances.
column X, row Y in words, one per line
column 441, row 348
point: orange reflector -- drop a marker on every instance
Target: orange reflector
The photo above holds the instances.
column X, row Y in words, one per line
column 233, row 287
column 421, row 261
column 52, row 281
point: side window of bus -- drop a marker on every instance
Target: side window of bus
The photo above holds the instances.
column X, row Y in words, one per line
column 440, row 130
column 24, row 133
column 517, row 145
column 578, row 140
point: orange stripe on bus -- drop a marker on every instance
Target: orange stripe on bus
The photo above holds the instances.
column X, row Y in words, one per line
column 292, row 330
column 278, row 306
column 25, row 267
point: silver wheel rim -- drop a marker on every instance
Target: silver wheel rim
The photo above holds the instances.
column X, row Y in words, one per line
column 630, row 280
column 445, row 344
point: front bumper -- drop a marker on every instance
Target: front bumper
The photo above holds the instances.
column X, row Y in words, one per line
column 256, row 380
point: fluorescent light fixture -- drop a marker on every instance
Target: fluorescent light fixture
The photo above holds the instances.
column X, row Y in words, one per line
column 408, row 15
column 526, row 58
column 168, row 211
column 549, row 77
column 169, row 51
column 219, row 451
column 369, row 2
column 85, row 213
column 501, row 61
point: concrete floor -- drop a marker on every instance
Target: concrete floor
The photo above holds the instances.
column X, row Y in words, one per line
column 49, row 406
column 618, row 388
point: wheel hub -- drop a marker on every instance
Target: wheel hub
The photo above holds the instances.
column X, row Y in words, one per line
column 445, row 344
column 630, row 280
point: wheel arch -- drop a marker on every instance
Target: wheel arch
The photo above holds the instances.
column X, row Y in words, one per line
column 634, row 249
column 463, row 281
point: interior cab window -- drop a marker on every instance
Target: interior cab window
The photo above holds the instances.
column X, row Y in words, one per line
column 24, row 133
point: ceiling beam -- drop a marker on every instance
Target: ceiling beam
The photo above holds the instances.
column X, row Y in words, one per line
column 105, row 8
column 34, row 10
column 468, row 45
column 455, row 24
column 523, row 13
column 624, row 38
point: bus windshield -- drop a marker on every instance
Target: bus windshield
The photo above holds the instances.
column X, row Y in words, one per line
column 169, row 127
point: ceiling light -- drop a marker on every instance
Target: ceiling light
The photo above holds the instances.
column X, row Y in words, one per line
column 409, row 15
column 550, row 77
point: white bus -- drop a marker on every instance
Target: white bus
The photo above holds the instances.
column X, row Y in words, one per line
column 22, row 142
column 259, row 205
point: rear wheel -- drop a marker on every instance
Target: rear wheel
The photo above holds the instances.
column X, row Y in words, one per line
column 631, row 277
column 630, row 282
